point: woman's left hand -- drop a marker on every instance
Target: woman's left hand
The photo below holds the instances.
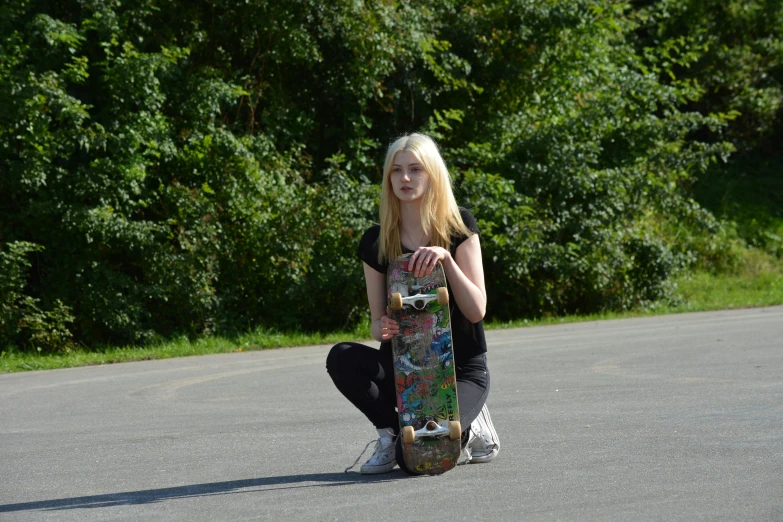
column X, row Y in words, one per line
column 423, row 261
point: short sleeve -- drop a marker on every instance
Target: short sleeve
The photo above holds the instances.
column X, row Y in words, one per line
column 470, row 222
column 368, row 248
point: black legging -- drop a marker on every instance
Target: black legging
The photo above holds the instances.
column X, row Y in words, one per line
column 366, row 377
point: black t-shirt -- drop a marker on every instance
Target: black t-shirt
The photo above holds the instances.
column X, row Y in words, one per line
column 468, row 337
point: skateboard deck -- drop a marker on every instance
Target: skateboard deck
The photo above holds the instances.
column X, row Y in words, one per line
column 424, row 369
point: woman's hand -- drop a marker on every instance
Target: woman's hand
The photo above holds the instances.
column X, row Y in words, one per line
column 388, row 326
column 423, row 261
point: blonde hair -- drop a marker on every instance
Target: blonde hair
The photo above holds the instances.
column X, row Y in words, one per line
column 440, row 216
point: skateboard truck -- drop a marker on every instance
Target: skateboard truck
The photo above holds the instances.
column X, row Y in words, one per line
column 418, row 301
column 432, row 429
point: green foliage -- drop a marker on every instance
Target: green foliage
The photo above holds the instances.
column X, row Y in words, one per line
column 22, row 321
column 201, row 168
column 601, row 151
column 739, row 69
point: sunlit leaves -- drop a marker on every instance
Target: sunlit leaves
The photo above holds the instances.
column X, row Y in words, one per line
column 208, row 166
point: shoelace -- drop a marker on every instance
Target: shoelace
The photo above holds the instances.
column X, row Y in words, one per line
column 481, row 435
column 376, row 441
column 349, row 468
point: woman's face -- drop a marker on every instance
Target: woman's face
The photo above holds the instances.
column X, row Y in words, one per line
column 409, row 180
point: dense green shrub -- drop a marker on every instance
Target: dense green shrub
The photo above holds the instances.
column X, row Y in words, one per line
column 21, row 316
column 739, row 68
column 185, row 169
column 599, row 148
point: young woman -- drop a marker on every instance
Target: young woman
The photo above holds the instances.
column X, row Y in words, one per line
column 419, row 215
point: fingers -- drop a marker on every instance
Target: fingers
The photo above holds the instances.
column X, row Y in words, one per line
column 424, row 261
column 415, row 262
column 389, row 328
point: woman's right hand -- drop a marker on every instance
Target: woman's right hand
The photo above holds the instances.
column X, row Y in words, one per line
column 388, row 326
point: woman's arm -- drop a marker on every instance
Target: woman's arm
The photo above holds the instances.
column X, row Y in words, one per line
column 470, row 292
column 465, row 274
column 383, row 328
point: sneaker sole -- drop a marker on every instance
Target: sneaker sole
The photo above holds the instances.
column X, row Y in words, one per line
column 478, row 459
column 376, row 470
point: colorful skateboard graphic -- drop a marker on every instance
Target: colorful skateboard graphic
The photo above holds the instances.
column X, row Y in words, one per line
column 424, row 369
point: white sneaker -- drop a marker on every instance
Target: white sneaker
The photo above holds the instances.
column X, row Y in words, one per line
column 383, row 459
column 483, row 444
column 465, row 456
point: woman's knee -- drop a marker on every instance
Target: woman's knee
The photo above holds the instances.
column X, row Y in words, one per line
column 335, row 360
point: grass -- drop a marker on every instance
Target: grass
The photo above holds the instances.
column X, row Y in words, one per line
column 258, row 340
column 700, row 292
column 757, row 282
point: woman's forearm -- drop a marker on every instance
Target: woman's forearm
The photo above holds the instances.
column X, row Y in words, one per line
column 469, row 297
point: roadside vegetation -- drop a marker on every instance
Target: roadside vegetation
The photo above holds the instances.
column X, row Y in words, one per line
column 186, row 178
column 759, row 282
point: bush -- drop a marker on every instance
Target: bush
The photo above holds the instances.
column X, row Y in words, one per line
column 600, row 157
column 22, row 321
column 188, row 169
column 739, row 68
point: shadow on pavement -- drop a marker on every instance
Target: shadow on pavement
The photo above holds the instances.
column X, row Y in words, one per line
column 150, row 496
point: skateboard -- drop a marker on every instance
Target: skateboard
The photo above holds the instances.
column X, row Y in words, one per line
column 424, row 369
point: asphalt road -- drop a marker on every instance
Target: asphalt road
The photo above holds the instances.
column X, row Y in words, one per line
column 661, row 418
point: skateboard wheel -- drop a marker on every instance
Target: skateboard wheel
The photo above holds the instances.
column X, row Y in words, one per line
column 455, row 430
column 396, row 301
column 408, row 435
column 443, row 295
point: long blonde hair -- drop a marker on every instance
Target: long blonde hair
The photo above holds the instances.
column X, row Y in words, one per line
column 440, row 216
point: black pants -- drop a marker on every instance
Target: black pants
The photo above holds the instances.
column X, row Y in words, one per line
column 366, row 377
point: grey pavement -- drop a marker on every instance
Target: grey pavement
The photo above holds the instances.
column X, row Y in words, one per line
column 660, row 418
